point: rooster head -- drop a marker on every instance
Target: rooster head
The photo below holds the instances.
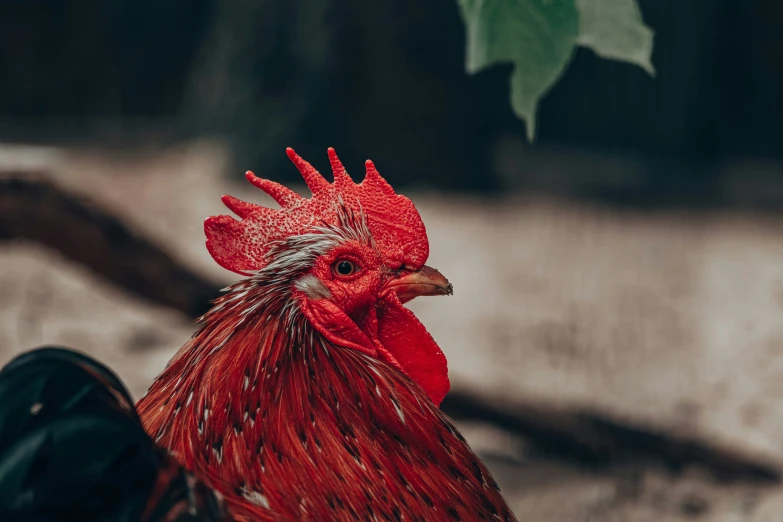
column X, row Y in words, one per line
column 349, row 257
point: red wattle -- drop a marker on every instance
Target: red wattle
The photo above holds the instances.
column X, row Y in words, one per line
column 414, row 348
column 336, row 326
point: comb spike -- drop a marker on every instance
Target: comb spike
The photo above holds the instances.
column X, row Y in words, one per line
column 284, row 196
column 242, row 244
column 239, row 207
column 373, row 179
column 315, row 181
column 341, row 176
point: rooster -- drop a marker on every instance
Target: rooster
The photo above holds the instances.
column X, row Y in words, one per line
column 309, row 391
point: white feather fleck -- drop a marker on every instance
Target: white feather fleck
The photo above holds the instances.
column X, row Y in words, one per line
column 256, row 498
column 313, row 287
column 399, row 410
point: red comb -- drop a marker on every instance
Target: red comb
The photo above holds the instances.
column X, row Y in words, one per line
column 241, row 246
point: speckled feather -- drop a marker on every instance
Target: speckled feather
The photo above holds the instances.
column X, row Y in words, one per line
column 291, row 427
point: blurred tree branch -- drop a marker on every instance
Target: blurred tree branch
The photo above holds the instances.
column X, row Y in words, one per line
column 32, row 208
column 594, row 439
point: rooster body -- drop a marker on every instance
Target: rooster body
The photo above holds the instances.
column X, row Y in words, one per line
column 303, row 429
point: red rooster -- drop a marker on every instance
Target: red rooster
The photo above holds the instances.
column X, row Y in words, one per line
column 310, row 392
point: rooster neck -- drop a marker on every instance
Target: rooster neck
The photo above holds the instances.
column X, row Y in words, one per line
column 281, row 421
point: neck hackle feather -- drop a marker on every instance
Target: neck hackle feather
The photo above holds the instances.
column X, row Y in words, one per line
column 287, row 424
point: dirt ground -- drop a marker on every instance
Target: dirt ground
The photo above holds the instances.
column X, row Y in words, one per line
column 668, row 319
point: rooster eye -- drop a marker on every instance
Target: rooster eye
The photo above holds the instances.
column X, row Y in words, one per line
column 345, row 267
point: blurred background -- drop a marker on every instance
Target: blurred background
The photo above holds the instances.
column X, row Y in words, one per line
column 615, row 341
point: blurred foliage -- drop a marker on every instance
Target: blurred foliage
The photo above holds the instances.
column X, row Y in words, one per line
column 539, row 36
column 386, row 80
column 614, row 29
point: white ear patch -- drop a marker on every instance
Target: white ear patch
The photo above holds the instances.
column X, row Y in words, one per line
column 312, row 287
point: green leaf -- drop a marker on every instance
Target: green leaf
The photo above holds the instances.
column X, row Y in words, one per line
column 614, row 29
column 537, row 36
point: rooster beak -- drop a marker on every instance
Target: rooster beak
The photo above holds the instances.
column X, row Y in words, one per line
column 424, row 281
